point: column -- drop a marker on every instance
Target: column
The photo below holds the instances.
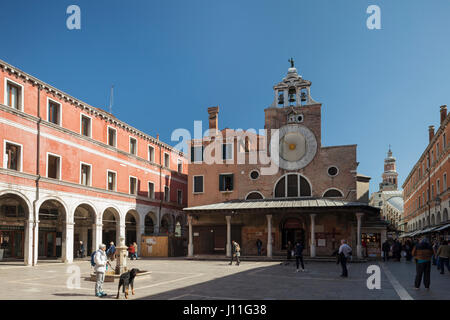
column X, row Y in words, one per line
column 269, row 235
column 97, row 229
column 67, row 249
column 191, row 242
column 140, row 230
column 84, row 237
column 120, row 233
column 358, row 246
column 286, row 98
column 228, row 251
column 28, row 243
column 313, row 236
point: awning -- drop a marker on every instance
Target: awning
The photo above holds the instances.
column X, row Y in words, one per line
column 428, row 230
column 443, row 227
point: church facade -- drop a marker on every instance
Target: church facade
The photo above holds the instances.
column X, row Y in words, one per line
column 280, row 185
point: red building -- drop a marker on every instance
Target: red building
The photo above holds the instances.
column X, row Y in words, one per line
column 74, row 172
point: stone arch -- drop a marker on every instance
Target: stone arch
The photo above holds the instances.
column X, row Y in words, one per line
column 85, row 217
column 110, row 219
column 15, row 214
column 333, row 193
column 180, row 225
column 132, row 223
column 438, row 218
column 55, row 230
column 432, row 220
column 253, row 195
column 150, row 223
column 167, row 223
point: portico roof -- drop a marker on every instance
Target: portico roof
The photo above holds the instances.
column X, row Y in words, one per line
column 271, row 204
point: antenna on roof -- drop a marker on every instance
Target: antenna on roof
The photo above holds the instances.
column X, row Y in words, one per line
column 111, row 99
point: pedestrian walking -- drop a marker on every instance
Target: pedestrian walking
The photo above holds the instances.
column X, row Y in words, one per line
column 298, row 250
column 135, row 250
column 435, row 249
column 82, row 249
column 259, row 246
column 235, row 252
column 386, row 248
column 408, row 249
column 131, row 251
column 345, row 251
column 100, row 260
column 396, row 250
column 443, row 254
column 422, row 253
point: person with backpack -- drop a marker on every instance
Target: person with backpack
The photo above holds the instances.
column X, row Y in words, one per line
column 235, row 252
column 345, row 251
column 99, row 262
column 298, row 251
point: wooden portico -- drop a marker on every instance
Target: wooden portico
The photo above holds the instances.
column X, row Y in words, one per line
column 321, row 223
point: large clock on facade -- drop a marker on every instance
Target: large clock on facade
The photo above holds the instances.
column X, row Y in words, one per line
column 297, row 146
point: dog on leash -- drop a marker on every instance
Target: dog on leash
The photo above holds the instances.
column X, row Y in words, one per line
column 127, row 280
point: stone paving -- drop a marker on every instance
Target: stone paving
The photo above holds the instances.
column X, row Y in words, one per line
column 177, row 278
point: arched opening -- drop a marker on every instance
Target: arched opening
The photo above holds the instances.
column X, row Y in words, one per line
column 254, row 196
column 438, row 218
column 131, row 223
column 13, row 215
column 423, row 223
column 166, row 224
column 84, row 218
column 292, row 186
column 179, row 226
column 420, row 224
column 292, row 230
column 432, row 220
column 445, row 215
column 111, row 225
column 52, row 229
column 149, row 224
column 332, row 193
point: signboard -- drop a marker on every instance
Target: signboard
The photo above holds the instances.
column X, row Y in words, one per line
column 321, row 243
column 196, row 234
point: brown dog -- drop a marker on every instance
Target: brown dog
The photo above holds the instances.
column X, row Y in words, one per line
column 126, row 280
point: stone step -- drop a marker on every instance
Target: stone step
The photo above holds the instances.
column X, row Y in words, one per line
column 266, row 259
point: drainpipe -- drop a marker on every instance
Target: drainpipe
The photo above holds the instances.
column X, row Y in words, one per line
column 429, row 191
column 160, row 186
column 38, row 170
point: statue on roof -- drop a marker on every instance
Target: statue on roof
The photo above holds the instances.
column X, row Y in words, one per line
column 292, row 62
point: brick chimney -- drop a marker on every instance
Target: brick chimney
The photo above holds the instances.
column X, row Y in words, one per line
column 213, row 118
column 443, row 113
column 431, row 132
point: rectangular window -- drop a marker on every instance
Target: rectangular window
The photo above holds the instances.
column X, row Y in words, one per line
column 133, row 145
column 227, row 151
column 438, row 187
column 13, row 95
column 226, row 182
column 179, row 197
column 444, row 141
column 437, row 151
column 13, row 156
column 166, row 160
column 151, row 190
column 166, row 194
column 198, row 184
column 151, row 154
column 111, row 181
column 196, row 154
column 432, row 191
column 53, row 166
column 85, row 126
column 85, row 174
column 133, row 185
column 54, row 112
column 180, row 166
column 111, row 137
column 444, row 183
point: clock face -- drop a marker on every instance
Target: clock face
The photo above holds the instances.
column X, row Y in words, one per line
column 297, row 146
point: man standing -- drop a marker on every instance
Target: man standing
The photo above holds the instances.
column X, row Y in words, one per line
column 259, row 246
column 298, row 250
column 235, row 252
column 111, row 251
column 82, row 249
column 344, row 251
column 386, row 248
column 422, row 253
column 443, row 253
column 100, row 269
column 135, row 250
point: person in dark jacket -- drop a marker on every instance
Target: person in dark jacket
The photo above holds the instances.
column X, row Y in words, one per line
column 408, row 249
column 422, row 254
column 386, row 248
column 397, row 250
column 259, row 246
column 298, row 251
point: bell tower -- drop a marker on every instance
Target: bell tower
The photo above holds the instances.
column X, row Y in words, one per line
column 390, row 175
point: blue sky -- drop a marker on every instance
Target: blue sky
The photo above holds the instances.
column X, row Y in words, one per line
column 170, row 60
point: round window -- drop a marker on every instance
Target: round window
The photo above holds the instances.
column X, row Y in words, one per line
column 332, row 171
column 300, row 118
column 254, row 175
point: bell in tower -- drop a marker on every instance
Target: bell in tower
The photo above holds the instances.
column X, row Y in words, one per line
column 292, row 94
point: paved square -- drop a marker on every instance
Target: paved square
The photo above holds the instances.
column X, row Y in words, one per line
column 177, row 278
